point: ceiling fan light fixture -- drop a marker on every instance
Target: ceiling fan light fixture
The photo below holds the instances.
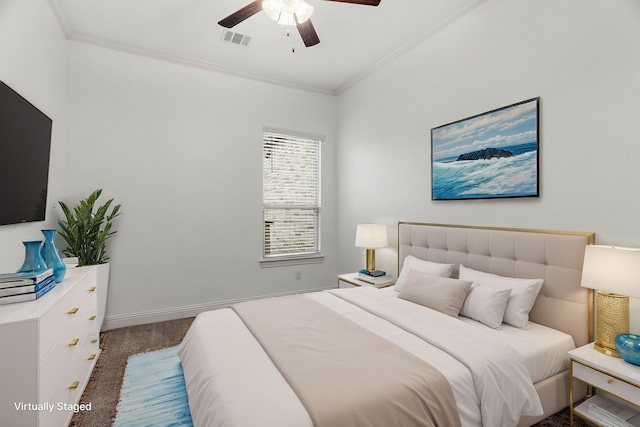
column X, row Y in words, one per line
column 287, row 18
column 272, row 9
column 304, row 12
column 287, row 12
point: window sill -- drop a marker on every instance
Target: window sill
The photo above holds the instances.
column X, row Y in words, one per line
column 291, row 260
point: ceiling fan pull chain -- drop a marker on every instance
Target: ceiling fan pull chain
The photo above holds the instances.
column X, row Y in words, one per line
column 293, row 45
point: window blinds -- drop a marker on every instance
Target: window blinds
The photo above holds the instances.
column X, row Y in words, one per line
column 291, row 195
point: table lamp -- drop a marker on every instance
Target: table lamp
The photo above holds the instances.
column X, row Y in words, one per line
column 615, row 273
column 371, row 237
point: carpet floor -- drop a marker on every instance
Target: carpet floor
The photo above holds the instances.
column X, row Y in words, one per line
column 103, row 389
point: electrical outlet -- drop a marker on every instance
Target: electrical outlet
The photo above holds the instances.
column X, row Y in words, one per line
column 298, row 274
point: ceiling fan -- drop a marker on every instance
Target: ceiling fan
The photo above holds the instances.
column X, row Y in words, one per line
column 287, row 12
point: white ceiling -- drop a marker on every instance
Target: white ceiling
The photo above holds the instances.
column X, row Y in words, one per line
column 354, row 39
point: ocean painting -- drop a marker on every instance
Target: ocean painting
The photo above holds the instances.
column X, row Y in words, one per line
column 491, row 155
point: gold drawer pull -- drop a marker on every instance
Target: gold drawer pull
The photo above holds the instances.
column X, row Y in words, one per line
column 92, row 318
column 609, row 381
column 91, row 357
column 91, row 289
column 74, row 342
column 93, row 341
column 73, row 311
column 74, row 385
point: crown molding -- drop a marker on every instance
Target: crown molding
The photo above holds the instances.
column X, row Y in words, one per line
column 61, row 16
column 193, row 62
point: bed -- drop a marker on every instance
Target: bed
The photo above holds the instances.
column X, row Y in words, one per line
column 356, row 357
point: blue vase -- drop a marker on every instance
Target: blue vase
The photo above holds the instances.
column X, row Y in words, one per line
column 628, row 347
column 51, row 255
column 33, row 260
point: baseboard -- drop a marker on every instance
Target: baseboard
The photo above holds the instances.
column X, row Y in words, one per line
column 173, row 313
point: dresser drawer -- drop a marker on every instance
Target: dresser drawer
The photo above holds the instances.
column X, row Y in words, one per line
column 70, row 307
column 68, row 390
column 75, row 340
column 606, row 382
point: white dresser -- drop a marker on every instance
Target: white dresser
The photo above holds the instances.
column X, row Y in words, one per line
column 48, row 349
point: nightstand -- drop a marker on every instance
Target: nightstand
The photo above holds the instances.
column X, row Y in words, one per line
column 616, row 384
column 350, row 280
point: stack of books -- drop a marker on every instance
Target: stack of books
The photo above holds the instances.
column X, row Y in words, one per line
column 18, row 287
column 609, row 413
column 375, row 277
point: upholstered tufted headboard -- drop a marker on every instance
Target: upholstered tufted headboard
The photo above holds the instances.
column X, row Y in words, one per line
column 553, row 256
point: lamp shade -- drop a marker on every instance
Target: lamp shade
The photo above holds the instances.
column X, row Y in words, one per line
column 371, row 236
column 612, row 269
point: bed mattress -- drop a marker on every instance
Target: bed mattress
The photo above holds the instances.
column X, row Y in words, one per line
column 231, row 381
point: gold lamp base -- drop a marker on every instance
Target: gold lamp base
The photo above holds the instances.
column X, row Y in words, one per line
column 371, row 259
column 612, row 320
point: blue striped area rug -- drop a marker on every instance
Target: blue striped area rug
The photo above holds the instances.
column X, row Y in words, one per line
column 153, row 391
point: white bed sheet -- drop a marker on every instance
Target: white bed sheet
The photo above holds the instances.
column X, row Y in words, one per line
column 543, row 349
column 222, row 386
column 231, row 381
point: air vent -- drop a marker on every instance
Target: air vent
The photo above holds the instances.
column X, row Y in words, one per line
column 235, row 38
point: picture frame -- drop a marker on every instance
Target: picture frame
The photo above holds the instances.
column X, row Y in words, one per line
column 489, row 155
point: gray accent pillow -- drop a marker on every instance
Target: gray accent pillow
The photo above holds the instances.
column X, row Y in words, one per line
column 443, row 294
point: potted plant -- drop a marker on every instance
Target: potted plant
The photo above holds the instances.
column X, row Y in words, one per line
column 86, row 230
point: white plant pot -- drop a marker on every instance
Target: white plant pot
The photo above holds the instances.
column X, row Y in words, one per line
column 103, row 288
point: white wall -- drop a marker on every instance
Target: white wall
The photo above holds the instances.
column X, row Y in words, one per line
column 33, row 58
column 580, row 57
column 181, row 149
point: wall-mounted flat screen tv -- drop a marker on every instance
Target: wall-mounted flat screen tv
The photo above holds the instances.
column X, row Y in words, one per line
column 25, row 146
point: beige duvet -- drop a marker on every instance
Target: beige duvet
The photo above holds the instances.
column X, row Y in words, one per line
column 343, row 374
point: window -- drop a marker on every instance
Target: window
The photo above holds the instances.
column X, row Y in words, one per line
column 291, row 195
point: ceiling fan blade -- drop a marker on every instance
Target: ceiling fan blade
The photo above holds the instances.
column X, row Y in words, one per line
column 362, row 2
column 246, row 12
column 308, row 33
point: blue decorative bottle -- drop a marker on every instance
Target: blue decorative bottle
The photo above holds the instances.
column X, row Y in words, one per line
column 33, row 260
column 51, row 255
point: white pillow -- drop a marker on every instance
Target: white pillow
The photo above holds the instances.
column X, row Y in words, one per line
column 523, row 293
column 486, row 304
column 413, row 263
